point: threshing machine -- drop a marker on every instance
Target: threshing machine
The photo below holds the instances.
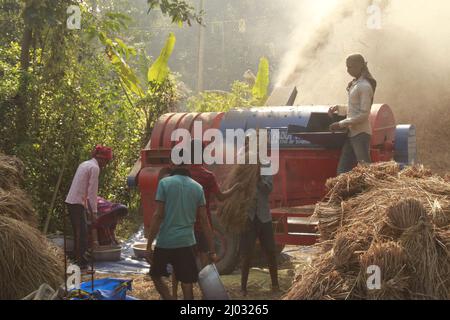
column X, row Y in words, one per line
column 304, row 163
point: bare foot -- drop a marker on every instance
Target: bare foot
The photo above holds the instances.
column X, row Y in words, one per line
column 276, row 289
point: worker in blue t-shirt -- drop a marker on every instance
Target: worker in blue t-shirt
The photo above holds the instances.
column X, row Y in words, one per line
column 180, row 201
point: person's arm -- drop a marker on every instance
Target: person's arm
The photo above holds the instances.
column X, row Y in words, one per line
column 340, row 110
column 366, row 100
column 208, row 232
column 223, row 195
column 157, row 220
column 93, row 190
column 265, row 184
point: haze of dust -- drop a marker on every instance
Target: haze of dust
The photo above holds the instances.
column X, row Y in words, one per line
column 409, row 56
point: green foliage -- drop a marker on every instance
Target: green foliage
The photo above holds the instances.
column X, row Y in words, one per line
column 260, row 89
column 75, row 98
column 159, row 71
column 240, row 96
column 179, row 10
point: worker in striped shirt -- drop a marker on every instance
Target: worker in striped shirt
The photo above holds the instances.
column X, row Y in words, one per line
column 361, row 92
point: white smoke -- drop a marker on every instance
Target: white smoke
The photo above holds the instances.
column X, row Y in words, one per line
column 409, row 56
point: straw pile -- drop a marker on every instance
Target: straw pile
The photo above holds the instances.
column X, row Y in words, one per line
column 233, row 212
column 11, row 172
column 16, row 204
column 379, row 215
column 28, row 260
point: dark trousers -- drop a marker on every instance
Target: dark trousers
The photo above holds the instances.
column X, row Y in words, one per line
column 356, row 150
column 264, row 232
column 77, row 214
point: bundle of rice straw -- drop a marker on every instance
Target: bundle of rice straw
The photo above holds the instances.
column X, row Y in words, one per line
column 27, row 261
column 321, row 281
column 347, row 185
column 233, row 212
column 392, row 261
column 379, row 215
column 16, row 204
column 11, row 172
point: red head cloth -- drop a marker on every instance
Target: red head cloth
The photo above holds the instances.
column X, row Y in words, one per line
column 102, row 152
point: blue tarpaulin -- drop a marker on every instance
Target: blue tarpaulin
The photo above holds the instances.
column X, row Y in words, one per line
column 104, row 289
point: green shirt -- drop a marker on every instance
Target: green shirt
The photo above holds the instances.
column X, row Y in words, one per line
column 182, row 196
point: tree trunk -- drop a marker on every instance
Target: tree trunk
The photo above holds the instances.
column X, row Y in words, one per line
column 21, row 111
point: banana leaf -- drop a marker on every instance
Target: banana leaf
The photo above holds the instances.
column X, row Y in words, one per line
column 159, row 71
column 261, row 87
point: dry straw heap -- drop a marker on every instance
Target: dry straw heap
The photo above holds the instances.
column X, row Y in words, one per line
column 27, row 260
column 380, row 215
column 233, row 212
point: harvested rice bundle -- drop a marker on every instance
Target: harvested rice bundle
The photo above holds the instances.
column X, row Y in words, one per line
column 11, row 172
column 359, row 179
column 233, row 212
column 420, row 245
column 320, row 281
column 16, row 204
column 440, row 214
column 329, row 215
column 13, row 161
column 403, row 215
column 443, row 248
column 392, row 262
column 348, row 246
column 28, row 260
column 416, row 171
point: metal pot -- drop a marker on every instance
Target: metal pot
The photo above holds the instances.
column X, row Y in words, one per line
column 211, row 285
column 107, row 253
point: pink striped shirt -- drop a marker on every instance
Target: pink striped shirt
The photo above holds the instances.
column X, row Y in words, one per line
column 84, row 186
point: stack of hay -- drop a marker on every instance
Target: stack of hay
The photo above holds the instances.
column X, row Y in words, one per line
column 28, row 259
column 381, row 216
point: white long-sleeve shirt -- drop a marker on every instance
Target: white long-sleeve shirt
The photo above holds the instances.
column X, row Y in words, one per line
column 360, row 99
column 84, row 186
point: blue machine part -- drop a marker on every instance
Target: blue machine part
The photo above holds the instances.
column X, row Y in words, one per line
column 405, row 144
column 132, row 181
column 273, row 118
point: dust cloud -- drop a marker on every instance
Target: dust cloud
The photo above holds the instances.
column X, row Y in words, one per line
column 409, row 56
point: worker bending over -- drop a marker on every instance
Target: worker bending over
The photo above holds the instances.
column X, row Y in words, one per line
column 82, row 200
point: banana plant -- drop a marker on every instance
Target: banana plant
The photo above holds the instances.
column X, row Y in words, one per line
column 159, row 70
column 261, row 87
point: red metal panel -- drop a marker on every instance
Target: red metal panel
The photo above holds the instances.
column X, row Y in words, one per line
column 171, row 126
column 158, row 130
column 188, row 121
column 383, row 124
column 148, row 182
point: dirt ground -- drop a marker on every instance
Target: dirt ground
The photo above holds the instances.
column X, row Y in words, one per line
column 292, row 260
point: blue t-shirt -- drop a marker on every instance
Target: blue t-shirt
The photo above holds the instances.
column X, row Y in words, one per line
column 182, row 196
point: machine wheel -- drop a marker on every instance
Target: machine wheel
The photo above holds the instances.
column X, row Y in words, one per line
column 227, row 247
